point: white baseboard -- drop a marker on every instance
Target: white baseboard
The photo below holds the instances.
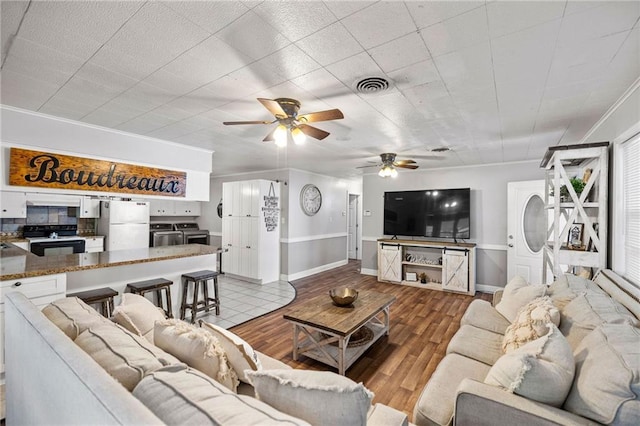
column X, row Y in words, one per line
column 365, row 271
column 312, row 271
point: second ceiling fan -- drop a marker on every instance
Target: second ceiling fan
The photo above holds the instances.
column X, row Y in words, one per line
column 286, row 115
column 389, row 164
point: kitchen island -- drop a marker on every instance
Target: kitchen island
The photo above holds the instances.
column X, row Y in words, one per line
column 115, row 269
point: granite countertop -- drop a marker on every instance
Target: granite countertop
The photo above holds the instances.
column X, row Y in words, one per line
column 18, row 263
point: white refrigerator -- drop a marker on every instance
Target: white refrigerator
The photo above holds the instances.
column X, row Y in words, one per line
column 124, row 224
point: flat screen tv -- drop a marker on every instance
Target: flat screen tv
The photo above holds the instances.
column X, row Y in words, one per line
column 432, row 213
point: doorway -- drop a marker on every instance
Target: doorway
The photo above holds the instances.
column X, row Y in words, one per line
column 352, row 227
column 526, row 230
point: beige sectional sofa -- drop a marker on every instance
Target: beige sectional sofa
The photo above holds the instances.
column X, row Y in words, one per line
column 57, row 374
column 598, row 328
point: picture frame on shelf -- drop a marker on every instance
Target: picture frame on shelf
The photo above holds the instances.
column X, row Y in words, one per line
column 411, row 276
column 574, row 238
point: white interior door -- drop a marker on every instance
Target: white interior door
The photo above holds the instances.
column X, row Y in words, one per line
column 526, row 230
column 352, row 230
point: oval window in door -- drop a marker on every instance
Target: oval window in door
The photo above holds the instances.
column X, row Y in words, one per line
column 534, row 224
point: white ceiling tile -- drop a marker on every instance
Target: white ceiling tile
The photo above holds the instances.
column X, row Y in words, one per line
column 77, row 28
column 210, row 15
column 142, row 125
column 87, row 93
column 22, row 91
column 592, row 23
column 144, row 97
column 157, row 35
column 104, row 77
column 574, row 6
column 289, row 62
column 322, row 84
column 207, row 61
column 379, row 23
column 343, row 9
column 119, row 62
column 330, row 44
column 176, row 83
column 516, row 149
column 509, row 17
column 11, row 15
column 224, row 90
column 256, row 77
column 427, row 13
column 40, row 62
column 466, row 69
column 401, row 52
column 252, row 36
column 456, row 33
column 106, row 117
column 174, row 130
column 62, row 103
column 293, row 20
column 415, row 75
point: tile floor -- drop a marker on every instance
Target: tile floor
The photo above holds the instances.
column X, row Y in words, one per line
column 241, row 301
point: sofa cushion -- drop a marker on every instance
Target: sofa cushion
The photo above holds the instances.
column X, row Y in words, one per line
column 531, row 323
column 436, row 402
column 588, row 311
column 240, row 354
column 179, row 395
column 481, row 314
column 518, row 293
column 124, row 355
column 319, row 397
column 476, row 343
column 138, row 315
column 541, row 370
column 566, row 287
column 73, row 316
column 197, row 348
column 607, row 383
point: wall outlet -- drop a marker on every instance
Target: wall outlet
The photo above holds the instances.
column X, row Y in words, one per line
column 367, row 212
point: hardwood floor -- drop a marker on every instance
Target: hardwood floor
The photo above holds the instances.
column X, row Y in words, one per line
column 395, row 368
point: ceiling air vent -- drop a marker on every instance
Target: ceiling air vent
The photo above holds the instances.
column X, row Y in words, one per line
column 372, row 85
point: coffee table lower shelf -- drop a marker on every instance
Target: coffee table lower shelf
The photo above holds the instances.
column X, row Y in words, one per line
column 317, row 343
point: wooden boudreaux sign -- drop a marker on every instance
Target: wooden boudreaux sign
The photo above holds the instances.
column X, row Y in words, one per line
column 48, row 170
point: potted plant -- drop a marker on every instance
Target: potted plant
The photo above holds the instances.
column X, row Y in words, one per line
column 578, row 186
column 423, row 277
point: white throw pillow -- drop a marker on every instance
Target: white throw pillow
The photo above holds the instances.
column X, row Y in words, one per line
column 319, row 397
column 542, row 370
column 607, row 383
column 138, row 315
column 240, row 354
column 197, row 348
column 530, row 323
column 518, row 293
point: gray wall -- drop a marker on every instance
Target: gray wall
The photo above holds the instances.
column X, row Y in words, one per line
column 488, row 209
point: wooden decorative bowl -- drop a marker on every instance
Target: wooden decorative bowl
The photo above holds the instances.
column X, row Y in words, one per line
column 343, row 296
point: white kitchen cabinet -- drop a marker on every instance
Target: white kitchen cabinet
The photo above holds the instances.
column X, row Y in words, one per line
column 174, row 208
column 250, row 229
column 24, row 245
column 94, row 244
column 89, row 208
column 14, row 204
column 41, row 290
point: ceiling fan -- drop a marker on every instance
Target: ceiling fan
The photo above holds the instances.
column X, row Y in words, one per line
column 389, row 164
column 285, row 111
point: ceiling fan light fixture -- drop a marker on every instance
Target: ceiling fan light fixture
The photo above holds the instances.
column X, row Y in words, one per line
column 298, row 136
column 388, row 171
column 280, row 135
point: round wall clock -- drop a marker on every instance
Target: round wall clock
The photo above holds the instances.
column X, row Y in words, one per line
column 310, row 199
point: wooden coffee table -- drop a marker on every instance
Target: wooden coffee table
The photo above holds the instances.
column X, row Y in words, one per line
column 322, row 324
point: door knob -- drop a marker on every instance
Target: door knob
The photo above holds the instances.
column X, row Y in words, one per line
column 510, row 245
column 511, row 237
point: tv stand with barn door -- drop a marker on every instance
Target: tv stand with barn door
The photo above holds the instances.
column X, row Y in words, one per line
column 444, row 265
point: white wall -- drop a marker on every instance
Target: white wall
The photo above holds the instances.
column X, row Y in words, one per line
column 31, row 130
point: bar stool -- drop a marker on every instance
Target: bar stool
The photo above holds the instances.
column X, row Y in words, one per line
column 103, row 296
column 156, row 285
column 207, row 302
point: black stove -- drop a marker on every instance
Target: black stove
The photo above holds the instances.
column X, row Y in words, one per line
column 46, row 231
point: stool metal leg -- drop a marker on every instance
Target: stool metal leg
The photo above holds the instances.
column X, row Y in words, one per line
column 194, row 305
column 183, row 304
column 205, row 289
